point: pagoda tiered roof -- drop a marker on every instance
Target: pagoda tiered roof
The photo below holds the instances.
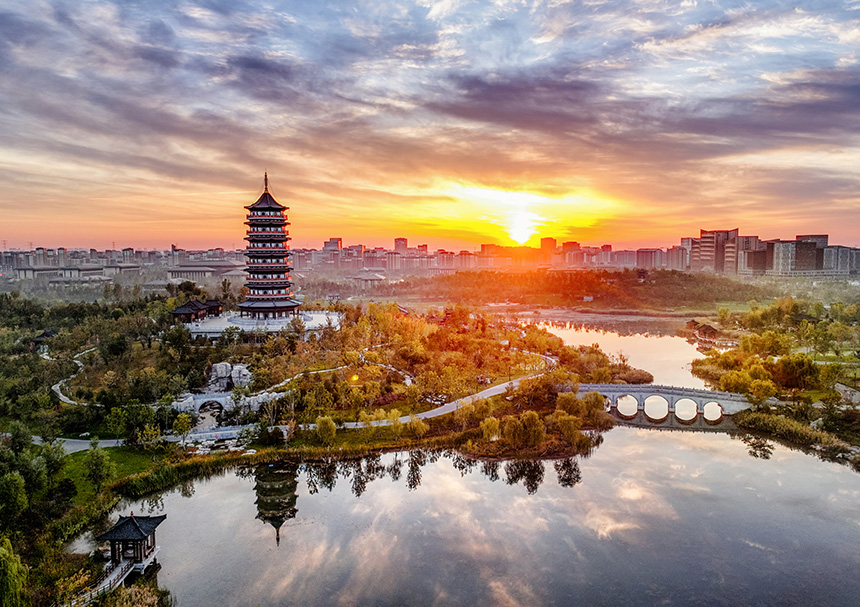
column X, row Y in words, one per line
column 266, row 202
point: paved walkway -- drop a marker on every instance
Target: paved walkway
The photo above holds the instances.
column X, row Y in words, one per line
column 57, row 387
column 73, row 445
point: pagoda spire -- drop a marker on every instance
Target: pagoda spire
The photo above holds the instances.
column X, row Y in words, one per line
column 266, row 181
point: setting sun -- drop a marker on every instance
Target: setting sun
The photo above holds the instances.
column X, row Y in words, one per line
column 525, row 215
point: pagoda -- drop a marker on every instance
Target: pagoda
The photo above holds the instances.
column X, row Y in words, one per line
column 270, row 293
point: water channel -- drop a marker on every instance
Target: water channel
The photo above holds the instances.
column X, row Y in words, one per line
column 650, row 517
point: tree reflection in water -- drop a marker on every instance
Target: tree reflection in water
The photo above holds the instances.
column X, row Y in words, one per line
column 491, row 470
column 276, row 484
column 759, row 448
column 568, row 472
column 528, row 471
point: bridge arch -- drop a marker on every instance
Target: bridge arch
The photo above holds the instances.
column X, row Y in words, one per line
column 686, row 410
column 656, row 408
column 712, row 412
column 212, row 405
column 626, row 405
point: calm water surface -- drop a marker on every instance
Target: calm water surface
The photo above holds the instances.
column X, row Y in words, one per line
column 666, row 357
column 675, row 518
column 651, row 517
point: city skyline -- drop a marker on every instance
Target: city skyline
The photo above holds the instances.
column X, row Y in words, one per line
column 451, row 124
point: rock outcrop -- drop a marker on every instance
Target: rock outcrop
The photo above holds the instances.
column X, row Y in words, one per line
column 224, row 376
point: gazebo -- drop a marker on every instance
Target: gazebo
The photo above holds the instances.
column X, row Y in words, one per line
column 190, row 312
column 132, row 539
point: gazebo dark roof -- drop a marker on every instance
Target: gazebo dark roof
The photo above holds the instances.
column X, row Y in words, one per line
column 266, row 201
column 132, row 528
column 46, row 334
column 190, row 308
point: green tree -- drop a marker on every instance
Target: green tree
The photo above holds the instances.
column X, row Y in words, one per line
column 19, row 436
column 54, row 456
column 182, row 426
column 13, row 577
column 326, row 429
column 150, row 436
column 117, row 422
column 13, row 498
column 98, row 467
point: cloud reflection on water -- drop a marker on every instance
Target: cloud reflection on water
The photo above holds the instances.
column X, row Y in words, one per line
column 676, row 516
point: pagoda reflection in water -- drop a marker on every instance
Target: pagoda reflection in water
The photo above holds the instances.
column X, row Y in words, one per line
column 276, row 494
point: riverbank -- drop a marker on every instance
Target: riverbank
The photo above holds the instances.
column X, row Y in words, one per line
column 624, row 322
column 800, row 435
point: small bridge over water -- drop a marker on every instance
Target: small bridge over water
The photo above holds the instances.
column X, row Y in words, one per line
column 664, row 401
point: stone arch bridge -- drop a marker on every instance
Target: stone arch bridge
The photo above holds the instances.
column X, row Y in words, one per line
column 728, row 402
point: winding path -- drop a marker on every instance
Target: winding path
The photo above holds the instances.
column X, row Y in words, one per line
column 57, row 387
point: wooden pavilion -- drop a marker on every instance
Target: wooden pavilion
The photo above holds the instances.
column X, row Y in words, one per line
column 132, row 539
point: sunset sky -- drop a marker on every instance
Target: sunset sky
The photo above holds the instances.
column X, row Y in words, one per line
column 451, row 123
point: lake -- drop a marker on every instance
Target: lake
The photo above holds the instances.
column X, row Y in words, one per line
column 666, row 357
column 650, row 517
column 675, row 518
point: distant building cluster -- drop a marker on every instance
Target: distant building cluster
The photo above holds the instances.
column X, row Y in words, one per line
column 715, row 251
column 65, row 267
column 810, row 255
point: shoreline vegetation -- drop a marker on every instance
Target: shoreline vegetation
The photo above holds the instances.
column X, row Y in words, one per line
column 799, row 351
column 390, row 362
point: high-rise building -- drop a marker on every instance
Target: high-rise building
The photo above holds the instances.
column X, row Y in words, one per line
column 548, row 245
column 820, row 240
column 649, row 258
column 333, row 245
column 780, row 256
column 269, row 286
column 677, row 258
column 401, row 244
column 710, row 253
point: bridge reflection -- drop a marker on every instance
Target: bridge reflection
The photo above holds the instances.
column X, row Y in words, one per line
column 671, row 421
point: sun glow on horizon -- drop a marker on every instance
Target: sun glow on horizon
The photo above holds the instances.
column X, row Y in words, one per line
column 522, row 214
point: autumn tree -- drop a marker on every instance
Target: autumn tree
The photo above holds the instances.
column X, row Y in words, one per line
column 490, row 428
column 417, row 427
column 326, row 429
column 534, row 431
column 182, row 426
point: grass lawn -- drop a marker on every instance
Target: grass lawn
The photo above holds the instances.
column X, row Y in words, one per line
column 128, row 461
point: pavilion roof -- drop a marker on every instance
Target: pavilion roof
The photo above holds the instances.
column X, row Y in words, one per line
column 132, row 528
column 269, row 305
column 189, row 308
